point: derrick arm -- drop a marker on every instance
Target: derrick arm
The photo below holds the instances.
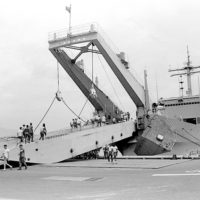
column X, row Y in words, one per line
column 91, row 35
column 102, row 101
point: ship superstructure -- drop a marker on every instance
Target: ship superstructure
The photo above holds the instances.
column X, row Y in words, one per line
column 185, row 107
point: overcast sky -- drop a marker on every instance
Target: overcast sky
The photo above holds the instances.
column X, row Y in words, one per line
column 153, row 33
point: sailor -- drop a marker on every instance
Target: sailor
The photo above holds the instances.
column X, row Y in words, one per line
column 44, row 130
column 79, row 123
column 114, row 120
column 22, row 158
column 75, row 123
column 26, row 134
column 115, row 152
column 20, row 134
column 5, row 157
column 105, row 151
column 103, row 119
column 98, row 120
column 23, row 128
column 110, row 153
column 31, row 132
column 71, row 125
column 128, row 115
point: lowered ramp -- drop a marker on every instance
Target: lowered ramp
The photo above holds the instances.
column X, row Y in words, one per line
column 65, row 145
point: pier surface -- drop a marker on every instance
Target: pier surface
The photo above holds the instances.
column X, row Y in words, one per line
column 100, row 180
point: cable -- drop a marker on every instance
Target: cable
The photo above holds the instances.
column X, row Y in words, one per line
column 83, row 107
column 45, row 113
column 111, row 83
column 71, row 110
column 58, row 75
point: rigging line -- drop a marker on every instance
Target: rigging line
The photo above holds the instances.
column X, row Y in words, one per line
column 58, row 76
column 83, row 107
column 110, row 83
column 72, row 110
column 190, row 134
column 186, row 138
column 45, row 113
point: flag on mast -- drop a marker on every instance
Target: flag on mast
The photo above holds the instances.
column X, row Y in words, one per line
column 68, row 8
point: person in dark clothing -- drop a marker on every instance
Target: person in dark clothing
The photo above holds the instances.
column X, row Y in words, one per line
column 26, row 134
column 44, row 130
column 41, row 134
column 23, row 133
column 31, row 132
column 22, row 158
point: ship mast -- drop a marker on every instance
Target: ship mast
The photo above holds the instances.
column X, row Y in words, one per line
column 188, row 70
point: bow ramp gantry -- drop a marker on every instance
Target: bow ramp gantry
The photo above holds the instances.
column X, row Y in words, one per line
column 81, row 38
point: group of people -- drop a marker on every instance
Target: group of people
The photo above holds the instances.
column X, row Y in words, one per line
column 5, row 157
column 110, row 152
column 75, row 123
column 25, row 133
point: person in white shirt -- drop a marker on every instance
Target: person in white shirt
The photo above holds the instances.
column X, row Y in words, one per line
column 20, row 134
column 103, row 119
column 110, row 153
column 115, row 152
column 5, row 157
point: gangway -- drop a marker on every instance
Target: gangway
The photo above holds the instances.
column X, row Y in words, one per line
column 67, row 145
column 91, row 35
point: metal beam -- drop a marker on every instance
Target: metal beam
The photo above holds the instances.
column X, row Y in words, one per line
column 83, row 50
column 79, row 48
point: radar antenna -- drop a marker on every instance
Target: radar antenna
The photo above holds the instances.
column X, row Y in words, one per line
column 188, row 70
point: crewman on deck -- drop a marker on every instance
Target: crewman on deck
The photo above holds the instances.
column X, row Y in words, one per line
column 31, row 132
column 26, row 134
column 103, row 119
column 44, row 130
column 20, row 134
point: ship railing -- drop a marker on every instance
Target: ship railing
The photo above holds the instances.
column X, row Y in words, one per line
column 80, row 30
column 75, row 30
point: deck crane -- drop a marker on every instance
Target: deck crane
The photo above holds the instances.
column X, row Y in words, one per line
column 101, row 102
column 91, row 35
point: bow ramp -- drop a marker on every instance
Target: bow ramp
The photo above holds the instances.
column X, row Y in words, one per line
column 92, row 35
column 67, row 144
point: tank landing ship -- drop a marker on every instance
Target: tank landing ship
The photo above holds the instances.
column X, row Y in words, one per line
column 150, row 134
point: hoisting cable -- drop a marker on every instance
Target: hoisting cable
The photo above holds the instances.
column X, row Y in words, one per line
column 83, row 107
column 72, row 110
column 58, row 76
column 110, row 82
column 60, row 98
column 45, row 113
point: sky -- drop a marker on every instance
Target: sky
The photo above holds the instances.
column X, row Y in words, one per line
column 153, row 34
